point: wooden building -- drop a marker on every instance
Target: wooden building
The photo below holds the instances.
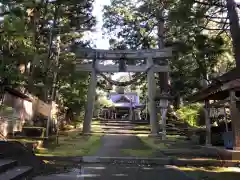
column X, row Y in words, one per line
column 123, row 105
column 224, row 90
column 24, row 110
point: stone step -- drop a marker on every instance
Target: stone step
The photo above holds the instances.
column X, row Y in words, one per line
column 117, row 127
column 115, row 121
column 16, row 173
column 6, row 164
column 119, row 132
column 125, row 128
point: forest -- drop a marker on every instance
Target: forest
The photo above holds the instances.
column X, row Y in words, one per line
column 37, row 37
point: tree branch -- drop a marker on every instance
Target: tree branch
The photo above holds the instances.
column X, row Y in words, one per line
column 215, row 17
column 214, row 4
column 224, row 27
column 213, row 29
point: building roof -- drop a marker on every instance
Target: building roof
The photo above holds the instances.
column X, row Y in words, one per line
column 124, row 100
column 17, row 93
column 219, row 89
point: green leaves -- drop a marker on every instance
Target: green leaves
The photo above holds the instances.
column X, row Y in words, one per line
column 190, row 113
column 134, row 25
column 25, row 39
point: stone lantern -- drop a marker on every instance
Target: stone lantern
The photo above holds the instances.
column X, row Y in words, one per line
column 162, row 102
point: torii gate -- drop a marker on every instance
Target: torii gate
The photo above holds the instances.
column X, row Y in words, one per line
column 97, row 54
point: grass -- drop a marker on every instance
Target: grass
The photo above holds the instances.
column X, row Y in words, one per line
column 147, row 126
column 137, row 153
column 72, row 144
column 172, row 142
column 153, row 143
column 212, row 173
column 176, row 147
column 96, row 127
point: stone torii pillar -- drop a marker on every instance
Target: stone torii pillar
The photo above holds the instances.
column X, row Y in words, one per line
column 151, row 98
column 90, row 100
column 115, row 55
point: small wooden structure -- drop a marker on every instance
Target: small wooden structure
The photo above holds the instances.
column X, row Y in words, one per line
column 26, row 108
column 21, row 111
column 224, row 89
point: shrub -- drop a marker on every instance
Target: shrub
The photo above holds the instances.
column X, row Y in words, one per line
column 189, row 113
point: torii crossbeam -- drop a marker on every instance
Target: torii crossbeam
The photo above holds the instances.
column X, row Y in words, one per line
column 98, row 54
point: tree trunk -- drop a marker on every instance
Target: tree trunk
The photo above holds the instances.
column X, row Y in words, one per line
column 69, row 116
column 163, row 76
column 177, row 101
column 50, row 43
column 35, row 19
column 234, row 29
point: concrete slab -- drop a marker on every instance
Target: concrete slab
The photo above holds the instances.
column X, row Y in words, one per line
column 118, row 172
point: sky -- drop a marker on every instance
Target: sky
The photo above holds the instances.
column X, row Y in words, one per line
column 102, row 43
column 97, row 36
column 99, row 40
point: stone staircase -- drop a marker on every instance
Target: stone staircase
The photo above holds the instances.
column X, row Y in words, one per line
column 11, row 170
column 174, row 126
column 114, row 126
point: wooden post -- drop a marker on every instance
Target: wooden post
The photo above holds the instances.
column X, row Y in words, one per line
column 90, row 101
column 151, row 98
column 235, row 114
column 146, row 106
column 131, row 111
column 208, row 124
column 225, row 118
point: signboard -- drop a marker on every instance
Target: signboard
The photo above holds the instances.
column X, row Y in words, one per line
column 118, row 54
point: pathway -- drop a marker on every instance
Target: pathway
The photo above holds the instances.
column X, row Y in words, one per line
column 119, row 172
column 112, row 144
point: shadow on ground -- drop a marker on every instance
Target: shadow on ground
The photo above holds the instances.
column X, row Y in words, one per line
column 211, row 173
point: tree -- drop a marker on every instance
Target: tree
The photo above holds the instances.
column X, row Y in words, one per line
column 198, row 51
column 234, row 28
column 29, row 35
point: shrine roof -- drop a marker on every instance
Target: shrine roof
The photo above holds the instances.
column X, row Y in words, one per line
column 17, row 93
column 219, row 89
column 126, row 99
